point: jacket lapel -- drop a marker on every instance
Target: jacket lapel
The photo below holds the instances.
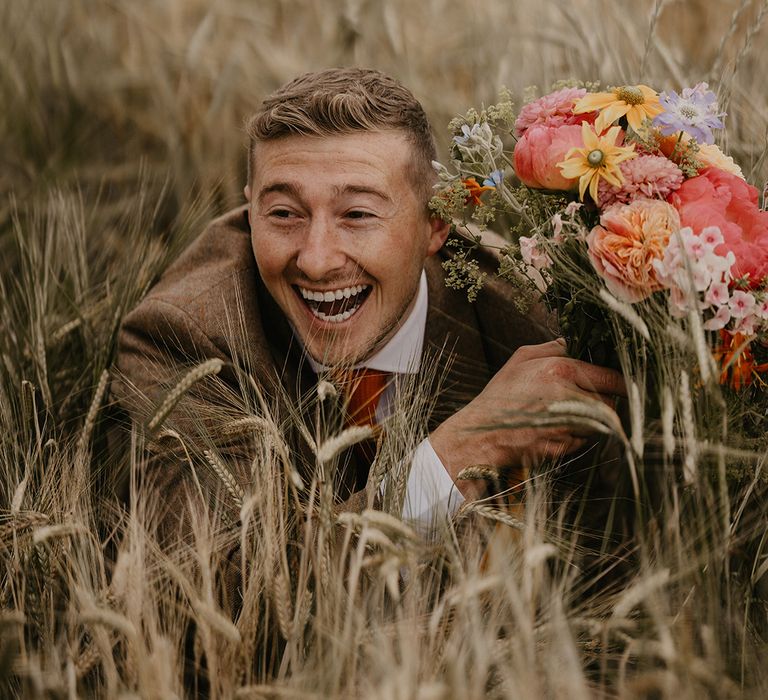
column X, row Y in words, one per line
column 454, row 359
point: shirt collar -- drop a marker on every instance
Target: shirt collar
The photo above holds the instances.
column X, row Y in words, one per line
column 402, row 353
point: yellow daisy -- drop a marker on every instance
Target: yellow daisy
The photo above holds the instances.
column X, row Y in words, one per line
column 636, row 102
column 599, row 158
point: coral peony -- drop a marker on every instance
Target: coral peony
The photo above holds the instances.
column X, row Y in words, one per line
column 555, row 109
column 718, row 198
column 538, row 152
column 644, row 176
column 624, row 246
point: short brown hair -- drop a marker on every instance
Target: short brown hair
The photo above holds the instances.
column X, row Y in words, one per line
column 345, row 100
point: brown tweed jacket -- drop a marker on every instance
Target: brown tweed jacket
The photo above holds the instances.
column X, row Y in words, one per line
column 211, row 303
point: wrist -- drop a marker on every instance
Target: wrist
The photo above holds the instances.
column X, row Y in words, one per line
column 458, row 449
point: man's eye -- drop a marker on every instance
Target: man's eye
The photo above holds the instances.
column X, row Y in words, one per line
column 358, row 214
column 282, row 214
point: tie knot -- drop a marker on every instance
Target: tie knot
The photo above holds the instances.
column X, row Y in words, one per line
column 363, row 388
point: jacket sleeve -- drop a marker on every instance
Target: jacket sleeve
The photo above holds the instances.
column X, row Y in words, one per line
column 175, row 385
column 213, row 430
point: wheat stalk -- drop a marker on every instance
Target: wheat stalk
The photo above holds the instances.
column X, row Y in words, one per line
column 234, row 489
column 490, row 514
column 204, row 369
column 329, row 449
column 93, row 409
column 283, row 604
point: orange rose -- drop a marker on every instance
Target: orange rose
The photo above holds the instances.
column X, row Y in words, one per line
column 624, row 245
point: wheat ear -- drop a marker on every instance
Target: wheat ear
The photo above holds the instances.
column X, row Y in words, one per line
column 204, row 369
column 491, row 514
column 90, row 419
column 234, row 489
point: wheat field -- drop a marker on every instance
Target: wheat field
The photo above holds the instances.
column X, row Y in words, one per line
column 121, row 134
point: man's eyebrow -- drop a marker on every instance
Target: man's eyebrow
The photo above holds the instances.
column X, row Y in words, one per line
column 281, row 187
column 361, row 189
column 295, row 191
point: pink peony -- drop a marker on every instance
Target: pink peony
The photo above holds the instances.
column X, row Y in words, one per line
column 645, row 176
column 539, row 151
column 624, row 246
column 718, row 198
column 555, row 109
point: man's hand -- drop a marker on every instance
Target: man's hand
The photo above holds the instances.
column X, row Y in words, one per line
column 532, row 379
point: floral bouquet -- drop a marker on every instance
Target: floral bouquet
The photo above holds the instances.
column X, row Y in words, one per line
column 640, row 233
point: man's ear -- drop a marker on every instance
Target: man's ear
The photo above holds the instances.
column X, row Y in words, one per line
column 438, row 232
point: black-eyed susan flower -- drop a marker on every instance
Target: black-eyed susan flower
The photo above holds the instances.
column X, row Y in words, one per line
column 635, row 102
column 598, row 160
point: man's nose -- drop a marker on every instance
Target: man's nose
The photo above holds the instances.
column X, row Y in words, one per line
column 321, row 249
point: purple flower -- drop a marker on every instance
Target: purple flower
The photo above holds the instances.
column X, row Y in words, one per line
column 694, row 112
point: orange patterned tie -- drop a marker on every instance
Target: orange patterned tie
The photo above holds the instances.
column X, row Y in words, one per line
column 363, row 389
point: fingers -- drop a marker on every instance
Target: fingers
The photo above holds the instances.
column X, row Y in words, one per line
column 554, row 348
column 599, row 380
column 563, row 445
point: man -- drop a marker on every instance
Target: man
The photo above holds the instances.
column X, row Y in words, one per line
column 335, row 262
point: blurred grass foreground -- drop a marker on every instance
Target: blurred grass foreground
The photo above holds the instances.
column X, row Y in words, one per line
column 120, row 135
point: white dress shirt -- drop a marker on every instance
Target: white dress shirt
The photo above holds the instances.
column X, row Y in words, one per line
column 430, row 494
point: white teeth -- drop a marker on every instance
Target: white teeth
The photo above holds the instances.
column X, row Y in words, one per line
column 337, row 318
column 331, row 295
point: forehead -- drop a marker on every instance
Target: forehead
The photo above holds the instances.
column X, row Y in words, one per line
column 381, row 156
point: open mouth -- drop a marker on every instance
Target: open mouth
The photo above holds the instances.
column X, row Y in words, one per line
column 334, row 305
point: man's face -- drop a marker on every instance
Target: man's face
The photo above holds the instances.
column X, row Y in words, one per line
column 340, row 237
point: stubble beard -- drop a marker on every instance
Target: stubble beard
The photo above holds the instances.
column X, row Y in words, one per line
column 388, row 329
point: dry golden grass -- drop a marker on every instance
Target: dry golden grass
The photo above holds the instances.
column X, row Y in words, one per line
column 120, row 133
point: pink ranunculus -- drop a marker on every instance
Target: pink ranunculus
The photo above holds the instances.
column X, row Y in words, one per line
column 718, row 198
column 554, row 109
column 645, row 176
column 624, row 246
column 538, row 152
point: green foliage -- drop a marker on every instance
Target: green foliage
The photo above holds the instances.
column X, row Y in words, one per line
column 462, row 271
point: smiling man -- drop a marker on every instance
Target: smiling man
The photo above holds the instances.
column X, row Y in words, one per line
column 340, row 236
column 335, row 262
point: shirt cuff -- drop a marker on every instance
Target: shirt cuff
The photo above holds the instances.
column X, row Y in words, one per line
column 431, row 497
